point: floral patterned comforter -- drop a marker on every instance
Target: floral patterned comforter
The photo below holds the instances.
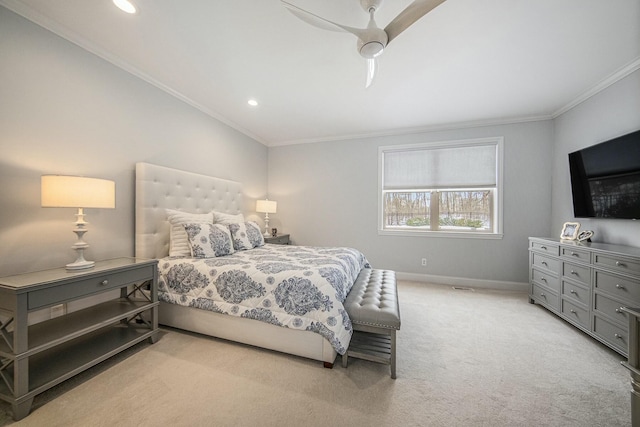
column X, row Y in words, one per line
column 298, row 287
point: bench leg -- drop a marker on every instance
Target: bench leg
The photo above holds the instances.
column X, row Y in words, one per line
column 345, row 356
column 393, row 353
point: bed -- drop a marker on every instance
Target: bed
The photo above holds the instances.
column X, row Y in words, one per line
column 249, row 296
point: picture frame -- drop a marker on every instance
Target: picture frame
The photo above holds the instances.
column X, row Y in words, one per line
column 570, row 231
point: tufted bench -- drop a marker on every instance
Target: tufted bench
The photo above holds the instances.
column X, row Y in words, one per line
column 372, row 305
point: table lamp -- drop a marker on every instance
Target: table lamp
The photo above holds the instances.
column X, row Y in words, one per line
column 266, row 207
column 59, row 191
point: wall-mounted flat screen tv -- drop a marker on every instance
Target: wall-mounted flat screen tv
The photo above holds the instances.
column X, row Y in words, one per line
column 605, row 179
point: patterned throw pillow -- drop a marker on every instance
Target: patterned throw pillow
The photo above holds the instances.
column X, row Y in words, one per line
column 209, row 240
column 178, row 242
column 255, row 235
column 246, row 235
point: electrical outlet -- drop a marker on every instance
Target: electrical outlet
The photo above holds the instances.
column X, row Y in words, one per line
column 424, row 262
column 58, row 310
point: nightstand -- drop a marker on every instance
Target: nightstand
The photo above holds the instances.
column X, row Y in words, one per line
column 40, row 356
column 281, row 239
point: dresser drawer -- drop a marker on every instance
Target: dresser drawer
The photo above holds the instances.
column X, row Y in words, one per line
column 576, row 292
column 87, row 286
column 621, row 287
column 576, row 272
column 541, row 261
column 545, row 248
column 575, row 313
column 544, row 296
column 613, row 334
column 575, row 254
column 544, row 279
column 619, row 264
column 610, row 308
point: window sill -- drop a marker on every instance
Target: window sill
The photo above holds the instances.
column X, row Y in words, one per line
column 443, row 233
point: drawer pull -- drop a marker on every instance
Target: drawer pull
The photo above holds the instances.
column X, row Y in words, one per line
column 573, row 311
column 543, row 295
column 574, row 254
column 619, row 286
column 619, row 310
column 105, row 282
column 618, row 336
column 575, row 273
column 572, row 291
column 542, row 279
column 543, row 247
column 544, row 263
column 620, row 264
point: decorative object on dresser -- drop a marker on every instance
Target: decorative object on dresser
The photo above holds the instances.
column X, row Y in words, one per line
column 570, row 231
column 587, row 284
column 266, row 207
column 39, row 356
column 282, row 239
column 59, row 191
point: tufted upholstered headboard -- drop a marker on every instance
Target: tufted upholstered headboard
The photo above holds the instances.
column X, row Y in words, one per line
column 159, row 188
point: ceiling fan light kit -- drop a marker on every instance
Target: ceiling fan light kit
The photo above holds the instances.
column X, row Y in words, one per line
column 371, row 40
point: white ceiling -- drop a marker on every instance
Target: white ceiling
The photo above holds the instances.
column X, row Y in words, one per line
column 468, row 61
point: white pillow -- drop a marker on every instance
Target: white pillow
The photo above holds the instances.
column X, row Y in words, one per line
column 209, row 240
column 226, row 219
column 178, row 243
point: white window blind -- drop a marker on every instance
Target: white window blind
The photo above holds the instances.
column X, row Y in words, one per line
column 440, row 167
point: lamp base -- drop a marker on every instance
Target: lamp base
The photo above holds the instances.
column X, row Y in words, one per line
column 80, row 265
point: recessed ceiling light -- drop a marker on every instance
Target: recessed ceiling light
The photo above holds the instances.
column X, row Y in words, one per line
column 125, row 6
column 252, row 102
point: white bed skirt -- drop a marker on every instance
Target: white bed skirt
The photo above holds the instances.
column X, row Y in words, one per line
column 247, row 331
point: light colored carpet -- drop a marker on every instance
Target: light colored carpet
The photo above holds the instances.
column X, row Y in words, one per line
column 465, row 358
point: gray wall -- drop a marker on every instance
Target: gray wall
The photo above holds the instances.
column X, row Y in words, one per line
column 66, row 111
column 327, row 195
column 611, row 113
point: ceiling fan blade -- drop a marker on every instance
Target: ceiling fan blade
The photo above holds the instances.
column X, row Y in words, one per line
column 372, row 67
column 411, row 14
column 319, row 22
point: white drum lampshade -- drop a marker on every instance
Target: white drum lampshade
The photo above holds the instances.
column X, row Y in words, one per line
column 60, row 191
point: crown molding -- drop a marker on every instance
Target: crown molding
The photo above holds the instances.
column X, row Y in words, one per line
column 418, row 130
column 602, row 85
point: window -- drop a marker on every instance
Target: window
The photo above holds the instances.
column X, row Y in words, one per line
column 446, row 188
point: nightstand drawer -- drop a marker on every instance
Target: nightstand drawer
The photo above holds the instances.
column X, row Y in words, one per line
column 278, row 240
column 87, row 286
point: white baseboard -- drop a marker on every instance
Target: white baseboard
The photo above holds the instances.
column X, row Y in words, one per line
column 466, row 282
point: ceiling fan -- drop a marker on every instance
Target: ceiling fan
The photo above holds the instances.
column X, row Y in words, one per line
column 371, row 40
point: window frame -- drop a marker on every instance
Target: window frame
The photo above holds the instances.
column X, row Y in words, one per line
column 497, row 233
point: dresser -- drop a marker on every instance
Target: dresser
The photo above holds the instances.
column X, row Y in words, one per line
column 587, row 284
column 39, row 356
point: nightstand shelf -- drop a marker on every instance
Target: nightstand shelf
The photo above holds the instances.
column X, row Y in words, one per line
column 40, row 356
column 280, row 239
